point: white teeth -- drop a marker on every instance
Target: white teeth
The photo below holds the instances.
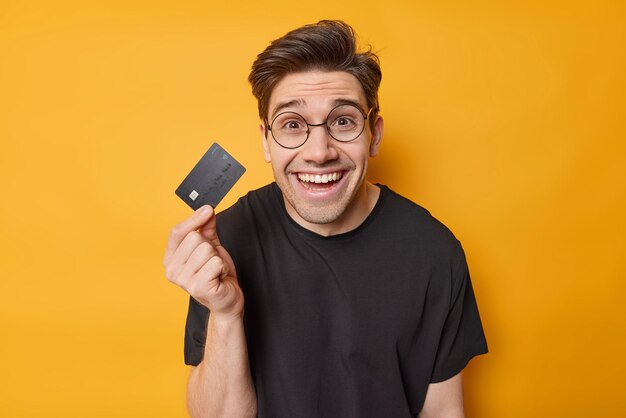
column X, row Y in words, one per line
column 316, row 178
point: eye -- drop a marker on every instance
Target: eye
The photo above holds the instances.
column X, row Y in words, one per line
column 292, row 124
column 289, row 123
column 345, row 121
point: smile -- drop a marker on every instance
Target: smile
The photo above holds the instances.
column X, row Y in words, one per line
column 319, row 178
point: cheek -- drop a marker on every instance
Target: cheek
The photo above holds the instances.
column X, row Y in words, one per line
column 359, row 157
column 280, row 159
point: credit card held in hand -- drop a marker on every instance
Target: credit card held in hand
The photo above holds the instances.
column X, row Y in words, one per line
column 209, row 181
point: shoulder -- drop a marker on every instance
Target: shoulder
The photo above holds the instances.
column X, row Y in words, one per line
column 425, row 240
column 247, row 215
column 409, row 219
column 262, row 199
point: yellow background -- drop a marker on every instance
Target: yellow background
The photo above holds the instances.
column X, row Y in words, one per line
column 506, row 121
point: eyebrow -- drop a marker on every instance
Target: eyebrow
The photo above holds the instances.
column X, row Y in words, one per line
column 302, row 103
column 354, row 103
column 290, row 103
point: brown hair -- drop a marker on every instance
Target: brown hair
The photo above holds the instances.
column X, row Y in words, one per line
column 329, row 45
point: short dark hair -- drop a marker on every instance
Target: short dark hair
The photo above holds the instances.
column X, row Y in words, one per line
column 329, row 45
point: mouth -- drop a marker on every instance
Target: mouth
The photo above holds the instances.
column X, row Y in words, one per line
column 319, row 182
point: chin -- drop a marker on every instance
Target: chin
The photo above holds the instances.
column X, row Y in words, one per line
column 323, row 214
column 318, row 218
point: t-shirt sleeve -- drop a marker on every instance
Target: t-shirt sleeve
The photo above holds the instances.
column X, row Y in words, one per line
column 462, row 336
column 195, row 332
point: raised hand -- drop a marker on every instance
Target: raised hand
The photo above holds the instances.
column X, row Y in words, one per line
column 196, row 261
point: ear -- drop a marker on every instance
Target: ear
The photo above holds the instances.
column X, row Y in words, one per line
column 377, row 136
column 266, row 146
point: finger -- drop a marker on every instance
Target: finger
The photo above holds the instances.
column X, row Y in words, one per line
column 177, row 261
column 209, row 231
column 198, row 258
column 215, row 267
column 207, row 279
column 180, row 231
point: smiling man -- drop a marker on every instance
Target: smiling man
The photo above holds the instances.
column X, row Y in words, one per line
column 358, row 303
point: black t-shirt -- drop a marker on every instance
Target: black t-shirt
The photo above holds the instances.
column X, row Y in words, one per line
column 351, row 325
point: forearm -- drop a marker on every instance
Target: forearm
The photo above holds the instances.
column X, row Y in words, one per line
column 444, row 399
column 221, row 385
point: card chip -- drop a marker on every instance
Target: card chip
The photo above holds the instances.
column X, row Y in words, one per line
column 193, row 195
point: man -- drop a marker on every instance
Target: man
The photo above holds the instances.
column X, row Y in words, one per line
column 357, row 302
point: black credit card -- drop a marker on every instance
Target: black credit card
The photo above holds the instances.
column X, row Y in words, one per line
column 209, row 181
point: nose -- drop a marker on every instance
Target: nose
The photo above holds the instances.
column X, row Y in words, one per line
column 320, row 147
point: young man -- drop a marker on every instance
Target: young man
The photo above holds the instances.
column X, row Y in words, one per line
column 357, row 302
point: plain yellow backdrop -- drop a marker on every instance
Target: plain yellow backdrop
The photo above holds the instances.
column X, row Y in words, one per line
column 506, row 121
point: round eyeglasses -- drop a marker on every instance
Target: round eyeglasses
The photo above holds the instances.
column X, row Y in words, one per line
column 344, row 123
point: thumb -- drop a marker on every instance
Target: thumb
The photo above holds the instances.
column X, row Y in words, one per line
column 209, row 228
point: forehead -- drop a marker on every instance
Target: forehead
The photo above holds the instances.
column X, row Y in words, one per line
column 316, row 89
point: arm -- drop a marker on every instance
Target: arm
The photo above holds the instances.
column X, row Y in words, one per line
column 221, row 385
column 444, row 399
